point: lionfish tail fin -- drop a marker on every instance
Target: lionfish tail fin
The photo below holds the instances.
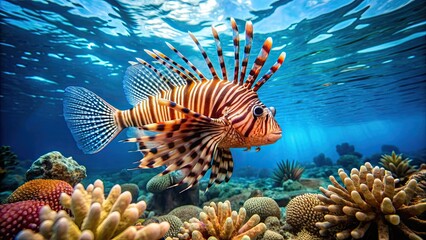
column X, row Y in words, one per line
column 90, row 119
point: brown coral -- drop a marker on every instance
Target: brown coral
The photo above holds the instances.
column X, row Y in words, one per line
column 399, row 167
column 218, row 221
column 262, row 206
column 368, row 196
column 301, row 214
column 46, row 190
column 95, row 217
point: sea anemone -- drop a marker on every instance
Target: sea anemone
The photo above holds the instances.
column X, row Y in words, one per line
column 399, row 167
column 287, row 170
column 368, row 198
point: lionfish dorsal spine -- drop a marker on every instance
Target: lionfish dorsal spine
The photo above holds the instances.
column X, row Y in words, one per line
column 236, row 40
column 155, row 70
column 195, row 69
column 206, row 58
column 271, row 71
column 247, row 48
column 220, row 54
column 259, row 62
column 174, row 63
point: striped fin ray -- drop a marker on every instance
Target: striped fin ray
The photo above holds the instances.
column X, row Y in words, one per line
column 236, row 39
column 222, row 166
column 220, row 54
column 206, row 58
column 202, row 77
column 141, row 81
column 247, row 48
column 186, row 71
column 163, row 78
column 168, row 65
column 259, row 62
column 271, row 72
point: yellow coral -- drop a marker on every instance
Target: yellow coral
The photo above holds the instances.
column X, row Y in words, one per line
column 218, row 221
column 368, row 195
column 95, row 217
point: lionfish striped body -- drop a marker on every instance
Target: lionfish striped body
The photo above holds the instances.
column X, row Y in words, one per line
column 197, row 119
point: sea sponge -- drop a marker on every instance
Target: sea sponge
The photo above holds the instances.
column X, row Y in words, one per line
column 369, row 196
column 95, row 217
column 19, row 215
column 399, row 167
column 186, row 212
column 262, row 206
column 175, row 223
column 55, row 166
column 47, row 190
column 301, row 214
column 218, row 221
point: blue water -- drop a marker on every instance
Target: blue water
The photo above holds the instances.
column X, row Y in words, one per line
column 355, row 70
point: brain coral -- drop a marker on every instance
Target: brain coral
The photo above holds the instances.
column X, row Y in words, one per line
column 301, row 214
column 186, row 212
column 55, row 166
column 47, row 190
column 160, row 183
column 368, row 197
column 262, row 206
column 16, row 216
column 175, row 223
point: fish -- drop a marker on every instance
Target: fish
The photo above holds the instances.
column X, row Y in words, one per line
column 197, row 120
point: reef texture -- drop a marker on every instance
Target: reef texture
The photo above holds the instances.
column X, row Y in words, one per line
column 95, row 217
column 17, row 216
column 262, row 206
column 287, row 171
column 186, row 212
column 218, row 221
column 175, row 223
column 398, row 166
column 55, row 166
column 301, row 214
column 321, row 160
column 368, row 198
column 47, row 190
column 8, row 160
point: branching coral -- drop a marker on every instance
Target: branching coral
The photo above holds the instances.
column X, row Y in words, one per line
column 399, row 167
column 287, row 170
column 95, row 217
column 218, row 221
column 368, row 196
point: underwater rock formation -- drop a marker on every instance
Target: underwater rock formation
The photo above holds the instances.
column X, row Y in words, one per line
column 95, row 217
column 321, row 160
column 218, row 221
column 368, row 198
column 46, row 190
column 399, row 167
column 347, row 149
column 388, row 149
column 55, row 166
column 262, row 206
column 287, row 170
column 301, row 214
column 349, row 161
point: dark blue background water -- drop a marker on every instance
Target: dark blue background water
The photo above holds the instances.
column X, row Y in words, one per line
column 355, row 71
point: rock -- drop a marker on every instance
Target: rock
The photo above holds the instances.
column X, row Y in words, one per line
column 291, row 185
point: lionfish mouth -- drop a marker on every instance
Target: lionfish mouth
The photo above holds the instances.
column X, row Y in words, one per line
column 275, row 136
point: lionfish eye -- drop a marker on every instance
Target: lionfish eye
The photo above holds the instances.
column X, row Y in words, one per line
column 257, row 111
column 273, row 111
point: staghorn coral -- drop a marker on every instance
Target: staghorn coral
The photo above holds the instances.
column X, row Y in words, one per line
column 19, row 215
column 301, row 214
column 262, row 206
column 46, row 190
column 287, row 170
column 399, row 167
column 218, row 221
column 54, row 165
column 368, row 196
column 95, row 217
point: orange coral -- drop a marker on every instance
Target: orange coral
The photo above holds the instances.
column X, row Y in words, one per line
column 47, row 190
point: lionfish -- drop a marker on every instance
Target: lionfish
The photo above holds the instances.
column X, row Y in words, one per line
column 197, row 119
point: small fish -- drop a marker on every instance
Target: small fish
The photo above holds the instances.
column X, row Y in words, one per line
column 197, row 120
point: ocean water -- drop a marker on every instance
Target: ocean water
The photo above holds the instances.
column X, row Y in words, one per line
column 355, row 70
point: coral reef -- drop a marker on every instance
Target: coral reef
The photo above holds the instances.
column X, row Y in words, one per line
column 388, row 149
column 10, row 179
column 46, row 190
column 55, row 166
column 218, row 221
column 174, row 222
column 133, row 189
column 368, row 197
column 262, row 206
column 301, row 214
column 349, row 161
column 17, row 216
column 290, row 185
column 95, row 217
column 420, row 177
column 186, row 212
column 321, row 160
column 8, row 160
column 399, row 167
column 287, row 170
column 306, row 235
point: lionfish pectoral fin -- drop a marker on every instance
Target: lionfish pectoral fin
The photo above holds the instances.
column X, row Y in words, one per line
column 222, row 167
column 186, row 144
